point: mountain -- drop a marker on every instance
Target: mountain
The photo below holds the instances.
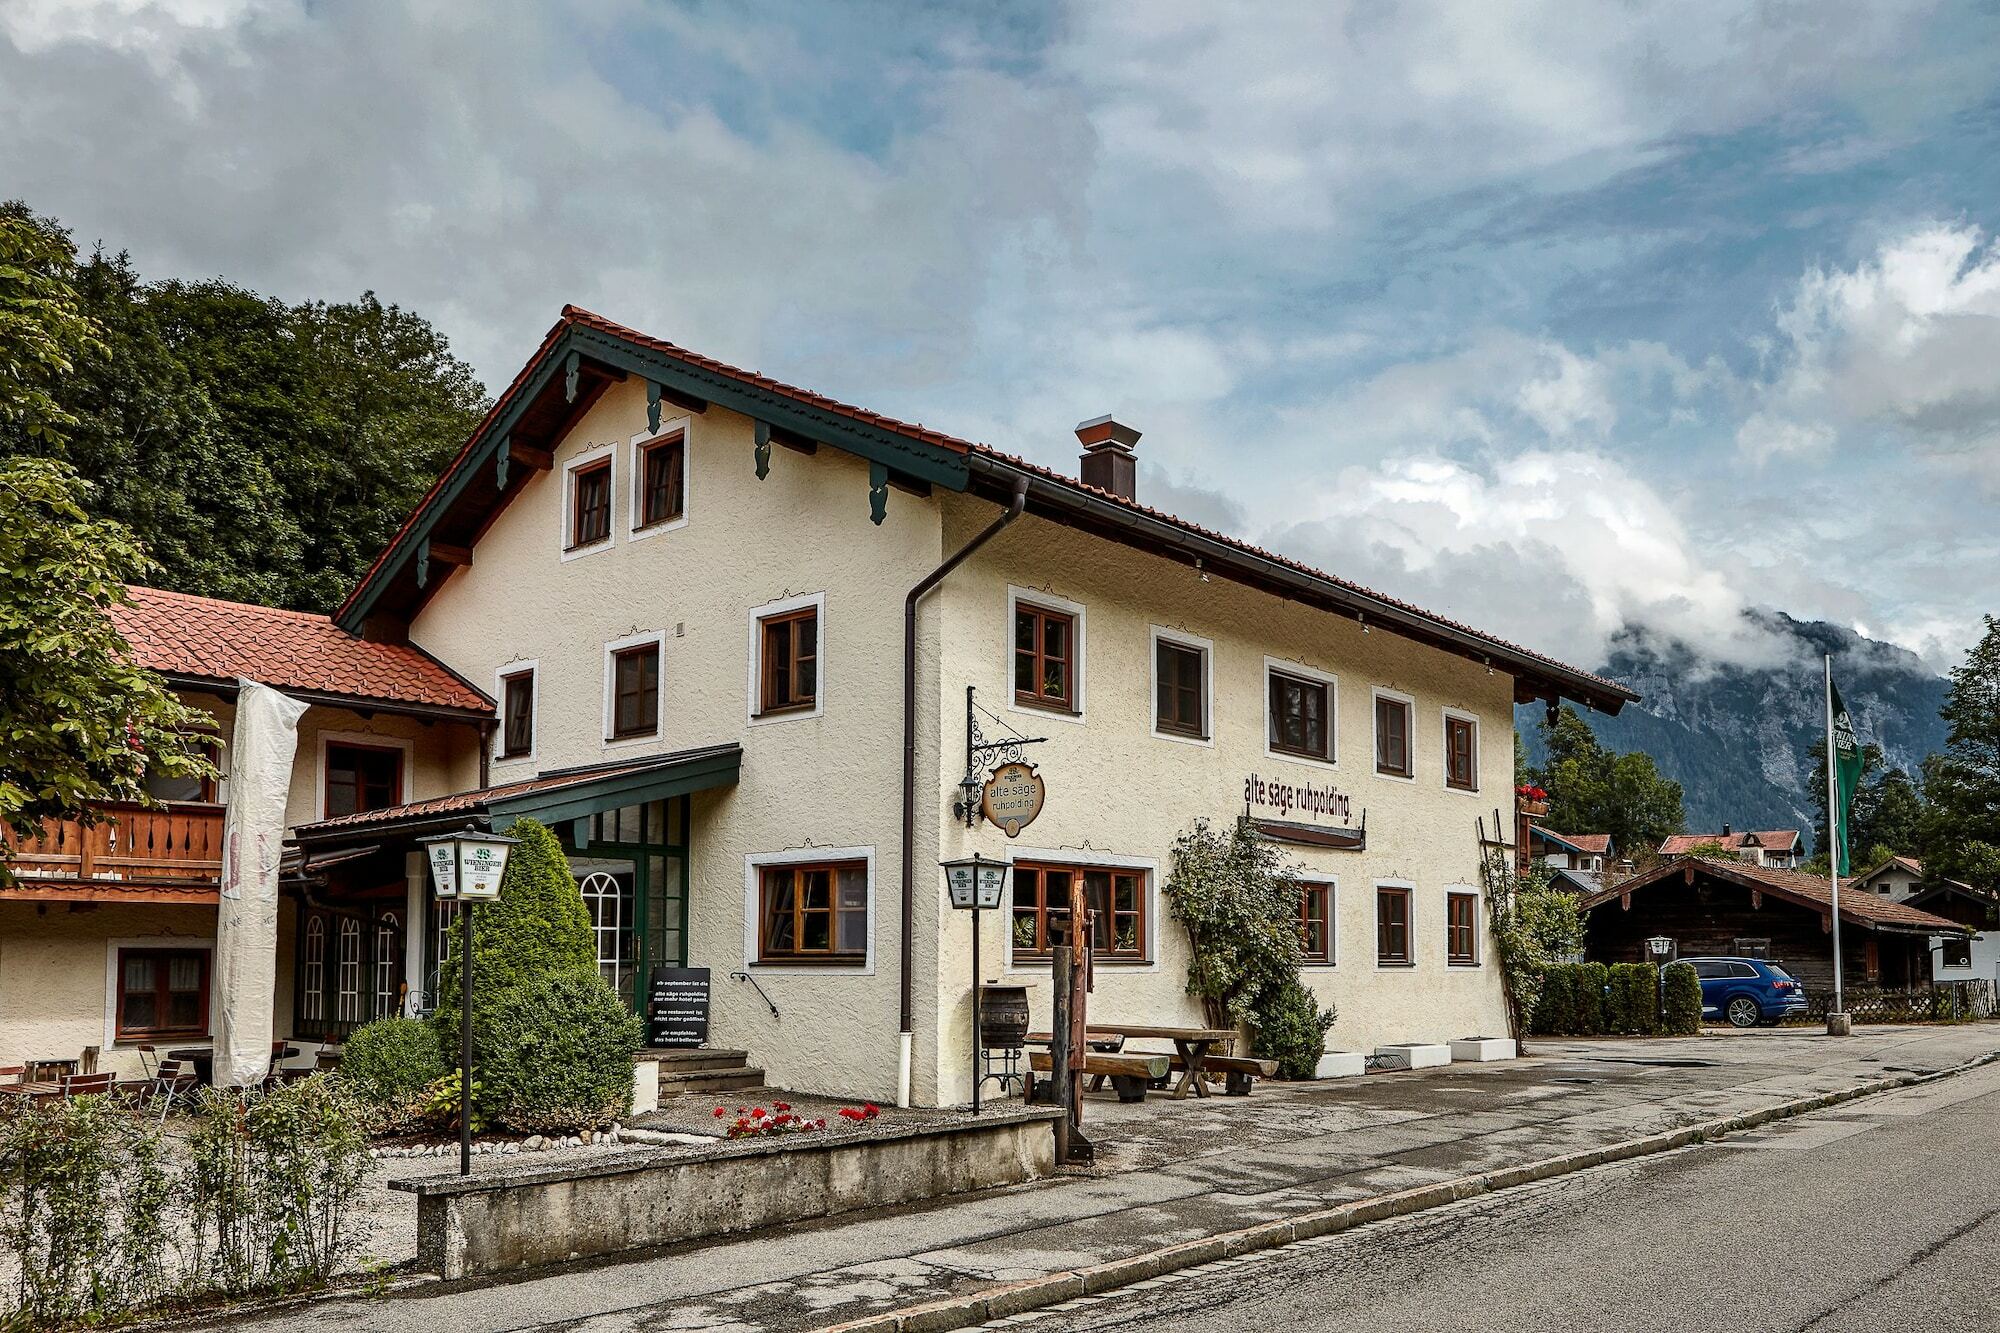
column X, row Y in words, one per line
column 1738, row 738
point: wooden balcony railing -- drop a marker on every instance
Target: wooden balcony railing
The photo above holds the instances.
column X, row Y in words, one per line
column 176, row 843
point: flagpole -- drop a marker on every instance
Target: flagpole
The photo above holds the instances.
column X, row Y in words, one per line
column 1833, row 837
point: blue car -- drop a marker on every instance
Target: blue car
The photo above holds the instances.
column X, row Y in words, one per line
column 1747, row 991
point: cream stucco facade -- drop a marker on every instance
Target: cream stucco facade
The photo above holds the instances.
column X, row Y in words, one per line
column 830, row 778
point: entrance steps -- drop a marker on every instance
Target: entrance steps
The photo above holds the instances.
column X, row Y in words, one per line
column 705, row 1069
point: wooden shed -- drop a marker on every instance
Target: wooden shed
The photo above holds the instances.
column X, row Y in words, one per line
column 1711, row 906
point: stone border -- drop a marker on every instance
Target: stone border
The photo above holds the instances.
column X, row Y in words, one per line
column 1055, row 1288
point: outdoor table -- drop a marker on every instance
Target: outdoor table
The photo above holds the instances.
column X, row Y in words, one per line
column 199, row 1058
column 1193, row 1045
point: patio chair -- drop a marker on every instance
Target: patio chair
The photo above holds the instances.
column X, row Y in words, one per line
column 13, row 1073
column 175, row 1079
column 148, row 1059
column 86, row 1085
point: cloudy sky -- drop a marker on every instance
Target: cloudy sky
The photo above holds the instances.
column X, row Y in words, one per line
column 1556, row 318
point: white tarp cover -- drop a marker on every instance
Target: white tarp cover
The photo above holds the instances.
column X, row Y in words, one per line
column 253, row 838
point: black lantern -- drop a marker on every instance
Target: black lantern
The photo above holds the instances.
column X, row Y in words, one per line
column 466, row 867
column 975, row 884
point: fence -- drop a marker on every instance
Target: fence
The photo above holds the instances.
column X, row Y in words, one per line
column 1936, row 1001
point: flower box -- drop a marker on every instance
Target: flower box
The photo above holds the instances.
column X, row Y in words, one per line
column 1483, row 1048
column 1341, row 1064
column 1412, row 1055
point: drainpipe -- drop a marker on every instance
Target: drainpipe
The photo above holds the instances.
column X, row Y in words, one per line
column 930, row 581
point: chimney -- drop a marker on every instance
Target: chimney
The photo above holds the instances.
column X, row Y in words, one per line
column 1107, row 456
column 1725, row 833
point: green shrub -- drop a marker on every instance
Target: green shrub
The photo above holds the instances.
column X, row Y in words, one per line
column 538, row 927
column 1683, row 1000
column 1593, row 980
column 86, row 1216
column 388, row 1063
column 1290, row 1027
column 1633, row 1004
column 554, row 1055
column 1555, row 1009
column 276, row 1177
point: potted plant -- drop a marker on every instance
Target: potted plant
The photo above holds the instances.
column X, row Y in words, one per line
column 1531, row 800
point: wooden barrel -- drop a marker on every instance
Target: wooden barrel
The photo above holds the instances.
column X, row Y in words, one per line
column 1003, row 1017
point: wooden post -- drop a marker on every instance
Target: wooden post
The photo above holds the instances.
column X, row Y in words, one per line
column 1077, row 983
column 1059, row 1049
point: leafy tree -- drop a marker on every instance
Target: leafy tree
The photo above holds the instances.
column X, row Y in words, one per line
column 1959, row 828
column 1595, row 790
column 80, row 721
column 263, row 451
column 537, row 927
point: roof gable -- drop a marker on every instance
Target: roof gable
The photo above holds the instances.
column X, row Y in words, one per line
column 584, row 353
column 1863, row 909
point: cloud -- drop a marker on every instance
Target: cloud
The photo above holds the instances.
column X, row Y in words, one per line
column 1907, row 341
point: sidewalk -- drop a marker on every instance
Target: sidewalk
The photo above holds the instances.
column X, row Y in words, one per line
column 1171, row 1172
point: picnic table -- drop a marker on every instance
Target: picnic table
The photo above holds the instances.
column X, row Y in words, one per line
column 1193, row 1047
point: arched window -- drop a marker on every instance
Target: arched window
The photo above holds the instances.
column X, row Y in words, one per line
column 388, row 965
column 312, row 1003
column 347, row 999
column 605, row 899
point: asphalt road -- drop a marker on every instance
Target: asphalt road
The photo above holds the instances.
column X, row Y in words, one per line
column 1882, row 1214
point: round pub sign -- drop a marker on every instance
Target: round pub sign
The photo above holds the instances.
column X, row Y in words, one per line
column 1013, row 797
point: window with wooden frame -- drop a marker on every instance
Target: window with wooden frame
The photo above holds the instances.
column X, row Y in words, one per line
column 1044, row 657
column 1316, row 922
column 1114, row 897
column 162, row 993
column 813, row 913
column 1301, row 712
column 1461, row 929
column 662, row 480
column 517, row 726
column 362, row 777
column 1392, row 927
column 590, row 504
column 166, row 787
column 788, row 665
column 635, row 691
column 1461, row 753
column 1392, row 737
column 1180, row 704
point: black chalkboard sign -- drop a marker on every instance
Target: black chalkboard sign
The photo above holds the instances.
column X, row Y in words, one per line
column 677, row 1007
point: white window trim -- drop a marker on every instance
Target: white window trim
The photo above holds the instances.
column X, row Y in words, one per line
column 754, row 684
column 1071, row 856
column 190, row 943
column 1161, row 634
column 1286, row 667
column 1375, row 740
column 637, row 445
column 753, row 909
column 1079, row 674
column 1444, row 750
column 1332, row 885
column 658, row 636
column 1478, row 927
column 1375, row 920
column 591, row 454
column 372, row 741
column 500, row 674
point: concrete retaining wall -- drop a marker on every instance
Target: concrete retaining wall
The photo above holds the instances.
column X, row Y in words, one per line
column 523, row 1218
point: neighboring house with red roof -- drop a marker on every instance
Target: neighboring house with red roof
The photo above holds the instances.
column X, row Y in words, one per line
column 748, row 650
column 107, row 932
column 1781, row 848
column 1589, row 852
column 1716, row 906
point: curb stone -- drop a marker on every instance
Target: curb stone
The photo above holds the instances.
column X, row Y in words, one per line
column 1039, row 1293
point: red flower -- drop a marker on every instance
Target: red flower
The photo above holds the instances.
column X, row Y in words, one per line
column 719, row 1113
column 870, row 1111
column 781, row 1106
column 759, row 1113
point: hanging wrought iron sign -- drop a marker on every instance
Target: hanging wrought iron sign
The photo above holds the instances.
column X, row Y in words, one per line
column 1012, row 797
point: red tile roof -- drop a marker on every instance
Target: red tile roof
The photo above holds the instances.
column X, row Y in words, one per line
column 178, row 634
column 1598, row 843
column 1866, row 909
column 1614, row 692
column 1771, row 840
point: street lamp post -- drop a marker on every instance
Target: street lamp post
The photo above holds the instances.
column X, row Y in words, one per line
column 466, row 868
column 975, row 883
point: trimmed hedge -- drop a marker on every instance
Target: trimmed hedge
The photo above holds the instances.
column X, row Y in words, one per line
column 1290, row 1027
column 1683, row 1000
column 556, row 1056
column 1591, row 999
column 1593, row 987
column 390, row 1061
column 1632, row 1006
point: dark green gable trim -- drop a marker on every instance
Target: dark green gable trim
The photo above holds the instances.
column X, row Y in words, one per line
column 892, row 451
column 691, row 771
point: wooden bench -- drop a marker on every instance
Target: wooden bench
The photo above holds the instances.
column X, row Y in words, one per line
column 1130, row 1075
column 1237, row 1070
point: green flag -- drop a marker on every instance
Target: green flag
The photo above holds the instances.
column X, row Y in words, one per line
column 1846, row 776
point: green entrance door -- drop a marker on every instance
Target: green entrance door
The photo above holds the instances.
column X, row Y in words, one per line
column 631, row 867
